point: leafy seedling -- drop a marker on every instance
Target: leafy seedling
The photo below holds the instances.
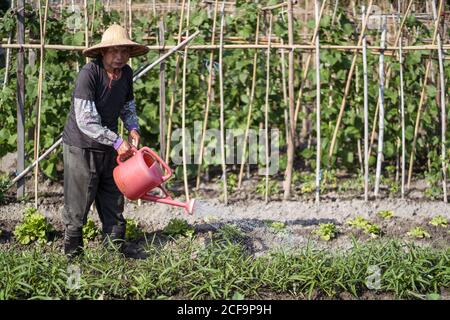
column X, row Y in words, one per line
column 419, row 233
column 363, row 224
column 276, row 226
column 439, row 221
column 133, row 232
column 90, row 231
column 326, row 231
column 386, row 214
column 34, row 227
column 178, row 227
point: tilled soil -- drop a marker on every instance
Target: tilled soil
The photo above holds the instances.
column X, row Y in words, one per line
column 254, row 217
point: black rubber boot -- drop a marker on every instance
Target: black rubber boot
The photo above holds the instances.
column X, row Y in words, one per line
column 73, row 245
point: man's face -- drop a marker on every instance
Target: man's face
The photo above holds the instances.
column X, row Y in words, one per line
column 116, row 57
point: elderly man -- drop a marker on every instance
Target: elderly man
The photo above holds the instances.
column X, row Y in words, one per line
column 103, row 93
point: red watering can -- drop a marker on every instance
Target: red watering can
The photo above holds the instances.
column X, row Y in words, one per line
column 138, row 175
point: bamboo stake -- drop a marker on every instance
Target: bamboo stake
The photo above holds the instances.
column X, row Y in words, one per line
column 86, row 33
column 306, row 68
column 222, row 124
column 183, row 109
column 347, row 86
column 381, row 119
column 42, row 27
column 388, row 73
column 318, row 149
column 94, row 7
column 208, row 97
column 8, row 54
column 250, row 106
column 285, row 95
column 443, row 111
column 172, row 95
column 366, row 114
column 291, row 137
column 402, row 112
column 422, row 97
column 266, row 111
column 162, row 92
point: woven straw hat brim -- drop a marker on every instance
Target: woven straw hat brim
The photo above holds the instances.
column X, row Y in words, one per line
column 135, row 48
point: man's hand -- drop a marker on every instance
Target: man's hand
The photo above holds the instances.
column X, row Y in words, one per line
column 134, row 138
column 125, row 150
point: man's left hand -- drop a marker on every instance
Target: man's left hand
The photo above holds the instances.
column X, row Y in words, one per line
column 134, row 138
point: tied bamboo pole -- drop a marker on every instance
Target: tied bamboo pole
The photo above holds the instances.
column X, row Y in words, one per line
column 208, row 97
column 318, row 152
column 174, row 83
column 266, row 109
column 250, row 107
column 162, row 91
column 347, row 85
column 402, row 112
column 422, row 97
column 183, row 109
column 20, row 97
column 291, row 137
column 381, row 118
column 443, row 110
column 86, row 29
column 222, row 123
column 366, row 114
column 42, row 27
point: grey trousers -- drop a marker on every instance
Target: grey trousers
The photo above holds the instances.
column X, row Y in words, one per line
column 88, row 177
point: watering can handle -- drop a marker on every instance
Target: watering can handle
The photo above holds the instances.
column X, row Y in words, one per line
column 158, row 158
column 133, row 148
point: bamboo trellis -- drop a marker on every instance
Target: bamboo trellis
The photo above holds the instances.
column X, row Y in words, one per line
column 314, row 46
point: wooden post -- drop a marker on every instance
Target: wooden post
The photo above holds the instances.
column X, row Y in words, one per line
column 183, row 109
column 208, row 97
column 42, row 25
column 222, row 121
column 381, row 118
column 20, row 97
column 266, row 109
column 291, row 137
column 366, row 114
column 318, row 149
column 162, row 92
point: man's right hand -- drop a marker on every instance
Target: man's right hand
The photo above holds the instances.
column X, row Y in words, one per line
column 125, row 151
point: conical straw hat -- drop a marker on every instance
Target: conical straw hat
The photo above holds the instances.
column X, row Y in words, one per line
column 114, row 36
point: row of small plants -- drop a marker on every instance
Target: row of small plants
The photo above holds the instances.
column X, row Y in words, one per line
column 35, row 227
column 222, row 268
column 329, row 231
